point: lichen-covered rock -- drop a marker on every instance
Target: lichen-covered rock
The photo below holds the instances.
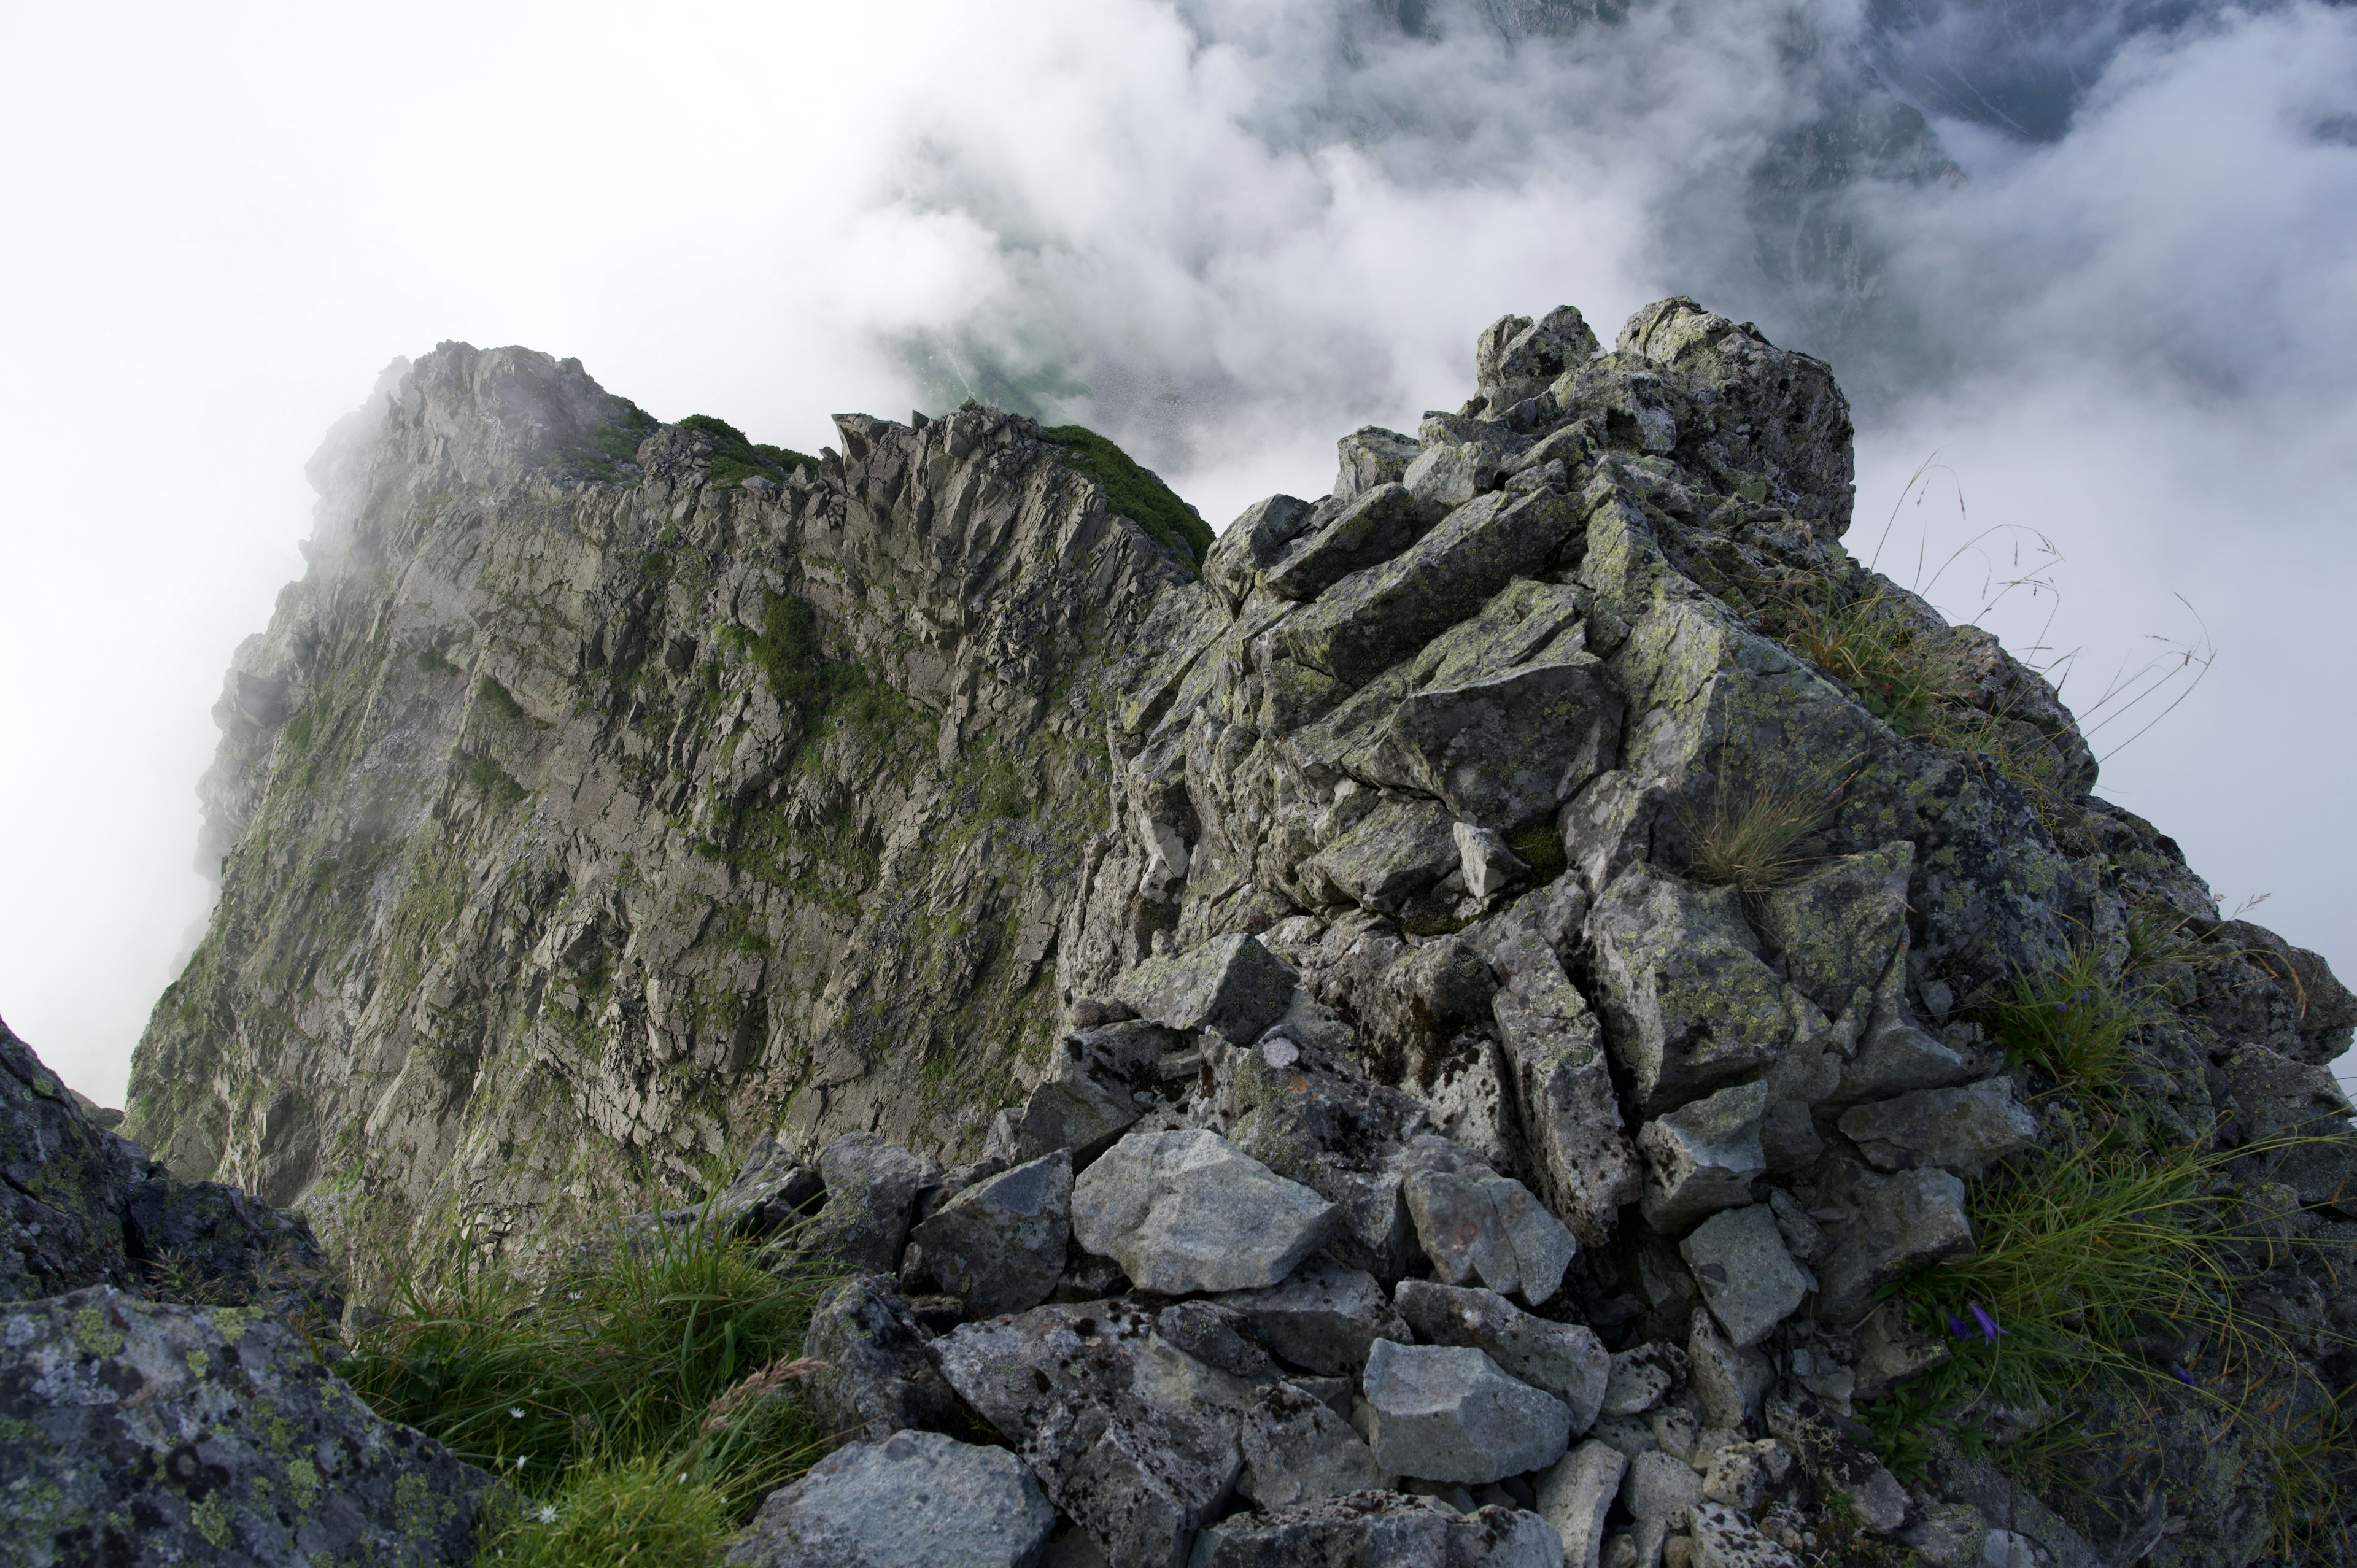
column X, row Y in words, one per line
column 1189, row 1211
column 769, row 1190
column 916, row 1500
column 1298, row 1450
column 139, row 1432
column 1962, row 1130
column 999, row 1245
column 1232, row 987
column 1448, row 1413
column 1566, row 1359
column 1702, row 1156
column 1890, row 1223
column 871, row 1372
column 1575, row 1494
column 1380, row 1528
column 871, row 1187
column 64, row 1184
column 1476, row 1224
column 210, row 1243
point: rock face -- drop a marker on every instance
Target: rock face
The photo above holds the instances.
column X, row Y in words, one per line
column 915, row 1501
column 1504, row 874
column 139, row 1432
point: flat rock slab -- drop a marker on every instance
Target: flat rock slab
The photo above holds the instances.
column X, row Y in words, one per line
column 872, row 1374
column 1298, row 1450
column 1126, row 1434
column 1702, row 1157
column 1380, row 1528
column 139, row 1434
column 1894, row 1222
column 1747, row 1275
column 916, row 1500
column 1963, row 1129
column 1447, row 1413
column 1187, row 1211
column 1324, row 1317
column 999, row 1245
column 1475, row 1224
column 1233, row 986
column 1566, row 1359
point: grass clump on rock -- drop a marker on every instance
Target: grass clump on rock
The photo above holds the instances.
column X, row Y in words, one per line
column 639, row 1403
column 736, row 458
column 1135, row 492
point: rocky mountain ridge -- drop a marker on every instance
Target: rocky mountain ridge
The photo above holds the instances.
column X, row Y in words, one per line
column 1546, row 868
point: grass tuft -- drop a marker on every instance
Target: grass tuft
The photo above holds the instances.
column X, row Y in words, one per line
column 2073, row 1024
column 1133, row 491
column 639, row 1403
column 1751, row 838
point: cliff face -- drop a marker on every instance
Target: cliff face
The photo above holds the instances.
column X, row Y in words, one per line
column 605, row 793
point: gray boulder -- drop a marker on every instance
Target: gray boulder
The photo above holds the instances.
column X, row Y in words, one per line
column 1566, row 1359
column 1298, row 1450
column 1189, row 1211
column 1892, row 1223
column 770, row 1189
column 1380, row 1528
column 872, row 1373
column 1231, row 986
column 1723, row 1538
column 1727, row 1382
column 1516, row 358
column 1484, row 861
column 1963, row 1130
column 1324, row 1317
column 1661, row 1485
column 1476, row 1224
column 1574, row 1497
column 1576, row 1143
column 1371, row 455
column 1702, row 1157
column 1750, row 1279
column 1448, row 1413
column 1213, row 1335
column 212, row 1245
column 916, row 1500
column 1641, row 1377
column 1132, row 1439
column 870, row 1187
column 137, row 1432
column 1391, row 857
column 1067, row 1112
column 1376, row 525
column 999, row 1245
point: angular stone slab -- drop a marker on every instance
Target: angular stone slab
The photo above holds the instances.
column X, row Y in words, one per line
column 1837, row 926
column 1476, row 1224
column 872, row 1374
column 1724, row 1538
column 1075, row 1113
column 1896, row 1221
column 1566, row 1359
column 1688, row 1003
column 1368, row 456
column 1575, row 1495
column 770, row 1189
column 1661, row 1485
column 1126, row 1434
column 134, row 1431
column 1298, row 1450
column 870, row 1187
column 1325, row 1318
column 1750, row 1279
column 916, row 1500
column 1447, row 1413
column 1506, row 750
column 1380, row 1528
column 1577, row 1140
column 1189, row 1211
column 999, row 1245
column 1963, row 1129
column 1401, row 848
column 1231, row 985
column 1702, row 1157
column 1373, row 528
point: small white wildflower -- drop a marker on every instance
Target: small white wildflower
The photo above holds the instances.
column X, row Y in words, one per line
column 516, row 1411
column 547, row 1513
column 518, row 1461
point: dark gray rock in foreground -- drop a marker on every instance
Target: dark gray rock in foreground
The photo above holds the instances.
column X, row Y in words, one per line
column 915, row 1501
column 1373, row 1527
column 874, row 1374
column 136, row 1433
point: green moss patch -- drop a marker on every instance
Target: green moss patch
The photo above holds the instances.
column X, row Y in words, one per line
column 1135, row 491
column 736, row 459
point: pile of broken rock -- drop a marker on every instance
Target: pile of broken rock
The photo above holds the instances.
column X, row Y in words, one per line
column 1363, row 1345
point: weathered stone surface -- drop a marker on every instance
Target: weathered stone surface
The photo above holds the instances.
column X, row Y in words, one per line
column 1067, row 1112
column 1744, row 1475
column 770, row 1189
column 872, row 1374
column 1373, row 1528
column 1402, row 848
column 1837, row 926
column 1576, row 1494
column 1838, row 1465
column 1661, row 1485
column 1640, row 1378
column 1323, row 1317
column 64, row 1182
column 138, row 1433
column 1571, row 1123
column 1728, row 1381
column 1566, row 1359
column 1516, row 358
column 1488, row 866
column 1475, row 1224
column 1214, row 1335
column 1702, row 1156
column 1257, row 538
column 1448, row 1413
column 870, row 1188
column 1746, row 1276
column 1375, row 526
column 212, row 1244
column 1371, row 455
column 1189, row 1211
column 1724, row 1538
column 916, row 1500
column 1233, row 986
column 1687, row 1002
column 999, row 1245
column 1296, row 1449
column 1504, row 749
column 1125, row 1433
column 1892, row 1222
column 1963, row 1129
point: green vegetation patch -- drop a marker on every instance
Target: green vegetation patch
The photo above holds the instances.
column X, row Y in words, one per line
column 610, row 450
column 736, row 459
column 1135, row 491
column 640, row 1402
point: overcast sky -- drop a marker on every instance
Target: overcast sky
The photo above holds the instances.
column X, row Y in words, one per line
column 2112, row 282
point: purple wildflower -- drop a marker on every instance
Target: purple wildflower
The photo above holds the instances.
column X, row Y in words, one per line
column 2183, row 1375
column 1989, row 1330
column 1956, row 1326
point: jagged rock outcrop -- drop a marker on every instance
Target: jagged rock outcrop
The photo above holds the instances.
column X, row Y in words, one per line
column 1546, row 866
